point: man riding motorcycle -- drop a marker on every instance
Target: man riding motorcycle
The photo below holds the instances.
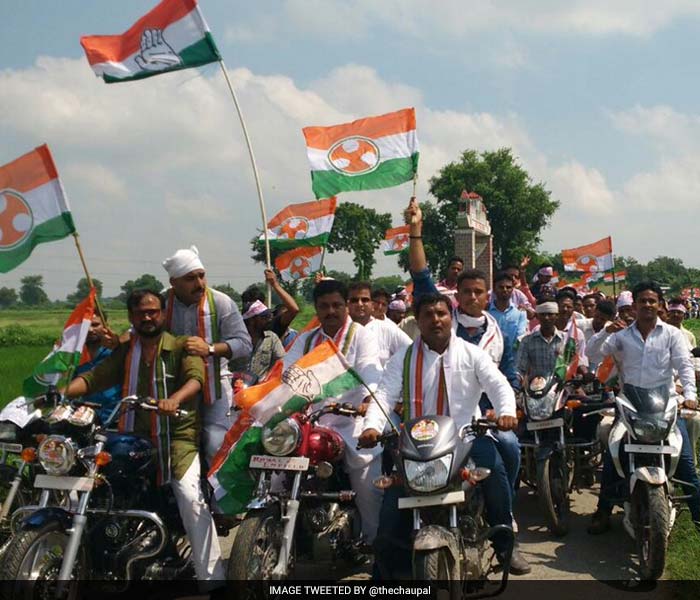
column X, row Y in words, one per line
column 646, row 353
column 447, row 376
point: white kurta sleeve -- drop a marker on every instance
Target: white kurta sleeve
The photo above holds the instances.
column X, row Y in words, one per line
column 495, row 384
column 388, row 393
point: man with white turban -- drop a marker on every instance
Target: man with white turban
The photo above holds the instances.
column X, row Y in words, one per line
column 217, row 334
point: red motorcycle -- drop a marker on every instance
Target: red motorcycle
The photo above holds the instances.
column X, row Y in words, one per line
column 303, row 505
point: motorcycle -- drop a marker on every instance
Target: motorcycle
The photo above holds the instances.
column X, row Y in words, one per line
column 117, row 526
column 554, row 460
column 645, row 446
column 450, row 541
column 302, row 506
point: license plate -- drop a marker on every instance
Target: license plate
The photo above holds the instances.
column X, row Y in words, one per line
column 423, row 501
column 54, row 482
column 645, row 449
column 551, row 424
column 14, row 448
column 279, row 463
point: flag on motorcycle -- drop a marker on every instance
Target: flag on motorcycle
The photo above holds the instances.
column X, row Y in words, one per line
column 172, row 36
column 570, row 355
column 320, row 374
column 395, row 240
column 592, row 257
column 299, row 263
column 367, row 154
column 306, row 224
column 33, row 207
column 58, row 366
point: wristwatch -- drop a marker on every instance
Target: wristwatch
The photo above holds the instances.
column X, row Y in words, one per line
column 212, row 350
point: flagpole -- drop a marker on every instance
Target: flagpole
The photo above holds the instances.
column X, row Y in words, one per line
column 415, row 181
column 100, row 312
column 614, row 287
column 255, row 172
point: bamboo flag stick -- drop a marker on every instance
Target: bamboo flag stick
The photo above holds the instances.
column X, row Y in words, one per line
column 100, row 312
column 255, row 173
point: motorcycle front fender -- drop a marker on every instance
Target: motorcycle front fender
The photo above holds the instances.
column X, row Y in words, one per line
column 651, row 475
column 544, row 452
column 432, row 537
column 261, row 502
column 43, row 516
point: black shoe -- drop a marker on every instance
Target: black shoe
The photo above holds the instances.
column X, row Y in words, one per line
column 518, row 564
column 600, row 523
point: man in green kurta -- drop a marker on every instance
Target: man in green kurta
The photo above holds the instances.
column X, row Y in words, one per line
column 155, row 364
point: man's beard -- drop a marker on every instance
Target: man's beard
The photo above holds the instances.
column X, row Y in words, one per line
column 155, row 332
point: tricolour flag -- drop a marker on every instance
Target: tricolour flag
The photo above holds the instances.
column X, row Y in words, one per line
column 33, row 207
column 306, row 224
column 367, row 154
column 395, row 240
column 593, row 257
column 173, row 36
column 299, row 263
column 320, row 374
column 619, row 276
column 58, row 366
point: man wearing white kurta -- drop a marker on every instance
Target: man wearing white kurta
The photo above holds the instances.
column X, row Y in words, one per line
column 217, row 334
column 447, row 376
column 360, row 349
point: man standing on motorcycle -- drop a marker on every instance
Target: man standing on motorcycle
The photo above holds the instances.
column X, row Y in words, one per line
column 216, row 334
column 452, row 375
column 360, row 349
column 472, row 323
column 646, row 353
column 156, row 364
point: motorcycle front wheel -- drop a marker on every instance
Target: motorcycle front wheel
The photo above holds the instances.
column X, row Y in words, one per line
column 437, row 566
column 652, row 523
column 553, row 493
column 255, row 551
column 32, row 563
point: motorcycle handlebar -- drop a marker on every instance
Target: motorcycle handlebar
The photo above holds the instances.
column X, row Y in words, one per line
column 149, row 404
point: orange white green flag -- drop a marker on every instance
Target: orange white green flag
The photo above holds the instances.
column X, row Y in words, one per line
column 172, row 36
column 61, row 362
column 33, row 207
column 591, row 258
column 322, row 373
column 619, row 276
column 367, row 154
column 395, row 240
column 305, row 224
column 299, row 263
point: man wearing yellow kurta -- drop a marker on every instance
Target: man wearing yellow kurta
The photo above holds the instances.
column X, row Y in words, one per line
column 156, row 364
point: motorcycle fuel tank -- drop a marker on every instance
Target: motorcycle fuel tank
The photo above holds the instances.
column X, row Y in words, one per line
column 132, row 456
column 324, row 444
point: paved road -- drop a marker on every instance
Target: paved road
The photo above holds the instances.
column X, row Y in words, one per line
column 577, row 556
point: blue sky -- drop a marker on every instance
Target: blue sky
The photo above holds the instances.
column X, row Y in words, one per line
column 598, row 100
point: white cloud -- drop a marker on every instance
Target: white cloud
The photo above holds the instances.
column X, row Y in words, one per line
column 336, row 19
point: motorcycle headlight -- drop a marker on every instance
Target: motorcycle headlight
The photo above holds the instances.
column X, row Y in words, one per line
column 539, row 409
column 282, row 439
column 428, row 476
column 649, row 429
column 56, row 455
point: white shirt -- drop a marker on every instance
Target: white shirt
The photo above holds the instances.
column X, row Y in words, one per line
column 469, row 372
column 363, row 357
column 649, row 363
column 390, row 338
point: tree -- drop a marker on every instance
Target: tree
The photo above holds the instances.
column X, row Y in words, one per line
column 388, row 283
column 145, row 281
column 229, row 291
column 32, row 291
column 518, row 209
column 8, row 297
column 358, row 230
column 82, row 291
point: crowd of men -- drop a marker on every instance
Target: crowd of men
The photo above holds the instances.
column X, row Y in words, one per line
column 465, row 349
